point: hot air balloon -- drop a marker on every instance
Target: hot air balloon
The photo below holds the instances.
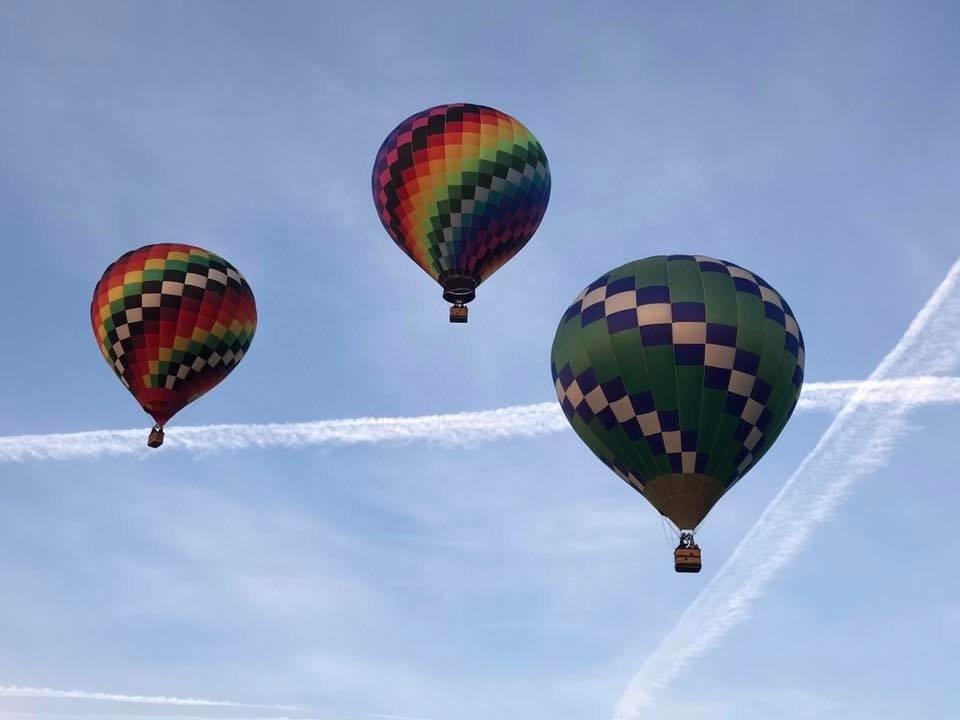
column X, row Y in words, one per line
column 461, row 189
column 679, row 372
column 172, row 321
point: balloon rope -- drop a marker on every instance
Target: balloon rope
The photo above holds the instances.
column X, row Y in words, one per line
column 667, row 525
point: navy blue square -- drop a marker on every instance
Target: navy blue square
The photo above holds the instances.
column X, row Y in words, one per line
column 761, row 282
column 584, row 411
column 622, row 320
column 688, row 354
column 655, row 443
column 689, row 312
column 613, row 390
column 710, row 266
column 680, row 257
column 791, row 345
column 587, row 380
column 734, row 404
column 669, row 420
column 740, row 456
column 653, row 294
column 592, row 314
column 657, row 334
column 716, row 378
column 621, row 285
column 688, row 440
column 599, row 282
column 798, row 377
column 702, row 459
column 632, row 428
column 676, row 462
column 746, row 362
column 607, row 418
column 761, row 391
column 565, row 376
column 642, row 402
column 748, row 286
column 718, row 334
column 743, row 429
column 774, row 313
column 568, row 408
column 763, row 422
column 572, row 311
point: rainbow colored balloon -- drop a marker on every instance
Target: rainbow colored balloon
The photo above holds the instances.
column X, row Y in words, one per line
column 172, row 321
column 461, row 189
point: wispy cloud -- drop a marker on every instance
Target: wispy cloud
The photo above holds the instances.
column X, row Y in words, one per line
column 466, row 428
column 857, row 442
column 49, row 693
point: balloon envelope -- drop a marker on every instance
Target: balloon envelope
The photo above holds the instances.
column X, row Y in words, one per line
column 461, row 189
column 172, row 321
column 679, row 372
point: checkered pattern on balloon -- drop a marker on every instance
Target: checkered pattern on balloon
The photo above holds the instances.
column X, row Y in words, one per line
column 461, row 189
column 172, row 321
column 679, row 366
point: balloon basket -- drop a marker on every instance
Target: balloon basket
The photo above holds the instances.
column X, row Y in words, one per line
column 686, row 559
column 458, row 314
column 155, row 439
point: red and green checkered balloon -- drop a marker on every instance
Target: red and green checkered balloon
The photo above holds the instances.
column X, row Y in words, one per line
column 679, row 372
column 461, row 189
column 172, row 321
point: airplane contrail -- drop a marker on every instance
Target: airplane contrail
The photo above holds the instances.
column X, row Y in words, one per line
column 458, row 429
column 858, row 441
column 38, row 692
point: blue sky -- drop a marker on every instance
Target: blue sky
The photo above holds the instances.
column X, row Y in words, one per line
column 815, row 145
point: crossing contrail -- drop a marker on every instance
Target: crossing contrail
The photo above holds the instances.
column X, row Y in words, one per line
column 858, row 441
column 457, row 429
